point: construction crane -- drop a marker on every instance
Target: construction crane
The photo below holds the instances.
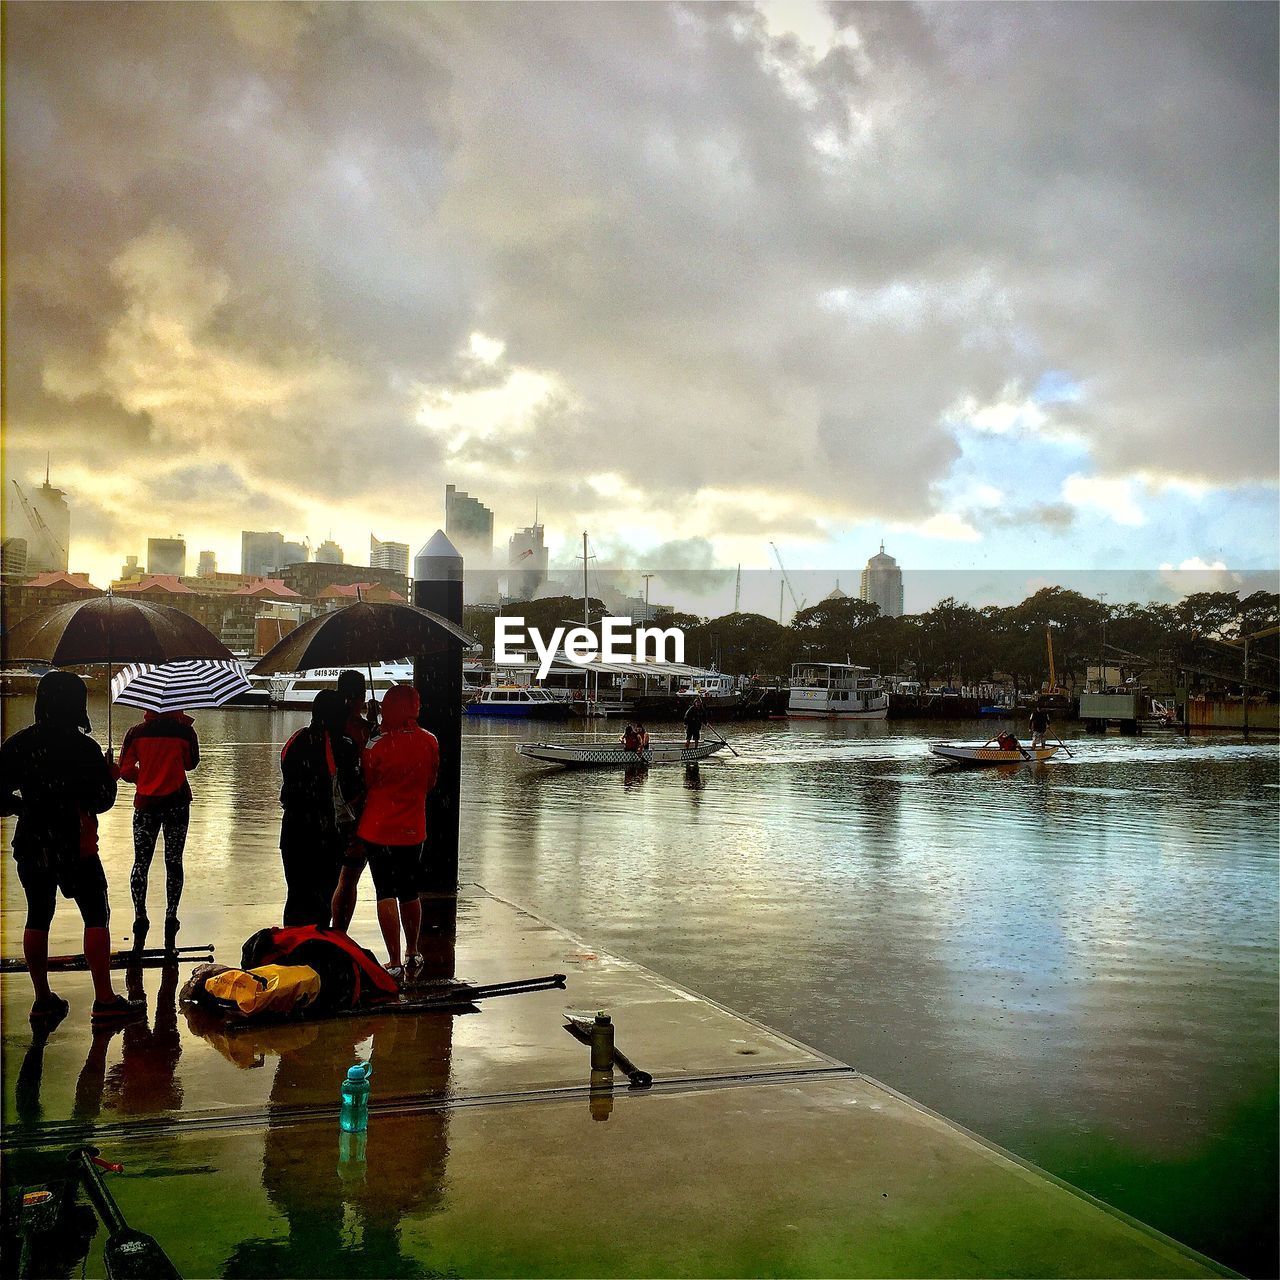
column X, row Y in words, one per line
column 786, row 578
column 39, row 526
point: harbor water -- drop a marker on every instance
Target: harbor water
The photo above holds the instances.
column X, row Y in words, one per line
column 1077, row 961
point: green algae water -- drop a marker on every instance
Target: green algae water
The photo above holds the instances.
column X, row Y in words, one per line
column 1076, row 961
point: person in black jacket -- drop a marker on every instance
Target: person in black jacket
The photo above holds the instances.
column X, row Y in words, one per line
column 56, row 779
column 321, row 795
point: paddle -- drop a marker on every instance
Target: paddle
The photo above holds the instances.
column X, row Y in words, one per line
column 128, row 1254
column 720, row 738
column 1070, row 753
column 150, row 957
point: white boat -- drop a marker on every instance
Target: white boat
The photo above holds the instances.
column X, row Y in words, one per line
column 299, row 688
column 973, row 754
column 718, row 692
column 592, row 753
column 519, row 701
column 836, row 691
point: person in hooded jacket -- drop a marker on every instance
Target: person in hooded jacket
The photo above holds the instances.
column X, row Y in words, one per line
column 321, row 795
column 156, row 756
column 400, row 768
column 54, row 776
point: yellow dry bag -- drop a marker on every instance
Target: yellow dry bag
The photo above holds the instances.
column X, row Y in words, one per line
column 272, row 988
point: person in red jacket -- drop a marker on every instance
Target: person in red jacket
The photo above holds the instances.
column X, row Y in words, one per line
column 156, row 757
column 400, row 768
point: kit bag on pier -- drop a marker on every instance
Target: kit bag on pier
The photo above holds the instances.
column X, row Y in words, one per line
column 275, row 989
column 350, row 976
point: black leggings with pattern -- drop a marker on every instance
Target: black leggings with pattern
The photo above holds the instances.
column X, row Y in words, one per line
column 147, row 825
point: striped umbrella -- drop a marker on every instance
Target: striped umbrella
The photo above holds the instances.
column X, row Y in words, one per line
column 179, row 686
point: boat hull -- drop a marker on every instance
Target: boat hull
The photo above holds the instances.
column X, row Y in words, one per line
column 584, row 755
column 876, row 713
column 992, row 755
column 520, row 710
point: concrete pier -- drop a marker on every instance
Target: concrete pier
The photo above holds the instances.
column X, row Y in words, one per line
column 489, row 1154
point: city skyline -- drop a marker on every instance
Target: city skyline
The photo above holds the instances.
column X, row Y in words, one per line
column 955, row 336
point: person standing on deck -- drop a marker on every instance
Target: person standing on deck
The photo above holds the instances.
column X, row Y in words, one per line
column 57, row 780
column 1039, row 723
column 156, row 757
column 321, row 796
column 400, row 767
column 693, row 722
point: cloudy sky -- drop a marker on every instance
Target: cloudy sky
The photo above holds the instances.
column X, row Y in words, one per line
column 997, row 283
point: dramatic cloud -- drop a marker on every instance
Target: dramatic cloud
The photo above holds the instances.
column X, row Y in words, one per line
column 709, row 271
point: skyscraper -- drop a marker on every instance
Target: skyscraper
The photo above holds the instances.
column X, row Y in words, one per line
column 389, row 555
column 208, row 565
column 328, row 552
column 526, row 563
column 468, row 524
column 43, row 518
column 882, row 584
column 167, row 555
column 260, row 553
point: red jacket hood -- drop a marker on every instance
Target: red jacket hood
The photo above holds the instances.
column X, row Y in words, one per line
column 400, row 707
column 180, row 716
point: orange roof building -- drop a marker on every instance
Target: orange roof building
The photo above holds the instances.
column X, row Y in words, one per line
column 167, row 584
column 58, row 581
column 373, row 592
column 268, row 588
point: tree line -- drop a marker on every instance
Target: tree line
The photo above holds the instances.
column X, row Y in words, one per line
column 956, row 644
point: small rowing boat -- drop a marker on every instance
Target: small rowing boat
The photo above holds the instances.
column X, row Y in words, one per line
column 992, row 755
column 593, row 753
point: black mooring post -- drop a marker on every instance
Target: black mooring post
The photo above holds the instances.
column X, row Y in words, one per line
column 437, row 585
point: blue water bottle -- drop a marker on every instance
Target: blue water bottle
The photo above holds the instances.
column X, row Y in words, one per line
column 354, row 1116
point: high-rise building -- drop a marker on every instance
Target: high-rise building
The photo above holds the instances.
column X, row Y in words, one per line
column 130, row 570
column 468, row 524
column 260, row 553
column 208, row 565
column 882, row 584
column 389, row 555
column 526, row 563
column 13, row 558
column 167, row 555
column 293, row 553
column 328, row 552
column 43, row 518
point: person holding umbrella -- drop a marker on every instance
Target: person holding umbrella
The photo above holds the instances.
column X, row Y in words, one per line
column 57, row 780
column 156, row 757
column 322, row 794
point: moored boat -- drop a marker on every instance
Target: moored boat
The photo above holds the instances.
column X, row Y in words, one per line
column 581, row 754
column 836, row 691
column 978, row 755
column 516, row 701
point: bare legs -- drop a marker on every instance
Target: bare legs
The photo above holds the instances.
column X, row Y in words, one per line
column 394, row 915
column 344, row 897
column 97, row 952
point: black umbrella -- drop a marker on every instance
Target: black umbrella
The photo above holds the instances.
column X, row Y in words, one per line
column 110, row 629
column 362, row 633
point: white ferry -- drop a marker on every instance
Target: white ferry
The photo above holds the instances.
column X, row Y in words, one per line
column 836, row 691
column 519, row 701
column 299, row 688
column 718, row 692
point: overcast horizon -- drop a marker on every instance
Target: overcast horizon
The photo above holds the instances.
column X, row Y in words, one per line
column 996, row 284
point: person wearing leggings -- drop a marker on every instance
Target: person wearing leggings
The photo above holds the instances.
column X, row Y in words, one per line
column 57, row 780
column 156, row 757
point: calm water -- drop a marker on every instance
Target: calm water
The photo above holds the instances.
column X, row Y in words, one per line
column 1078, row 961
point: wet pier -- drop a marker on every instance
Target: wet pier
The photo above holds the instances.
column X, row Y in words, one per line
column 490, row 1153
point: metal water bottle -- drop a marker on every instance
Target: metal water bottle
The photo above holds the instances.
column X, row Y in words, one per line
column 602, row 1043
column 354, row 1116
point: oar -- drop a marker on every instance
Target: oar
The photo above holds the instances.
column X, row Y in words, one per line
column 720, row 738
column 580, row 1032
column 128, row 1254
column 1063, row 745
column 149, row 958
